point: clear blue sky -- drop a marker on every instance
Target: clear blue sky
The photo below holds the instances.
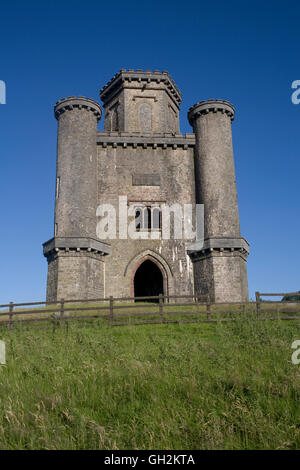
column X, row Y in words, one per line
column 246, row 52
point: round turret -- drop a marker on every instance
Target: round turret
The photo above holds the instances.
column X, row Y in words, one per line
column 214, row 167
column 205, row 107
column 76, row 183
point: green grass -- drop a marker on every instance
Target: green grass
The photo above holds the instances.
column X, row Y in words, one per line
column 170, row 386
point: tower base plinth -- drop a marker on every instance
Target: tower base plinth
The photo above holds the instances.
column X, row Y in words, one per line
column 220, row 271
column 75, row 272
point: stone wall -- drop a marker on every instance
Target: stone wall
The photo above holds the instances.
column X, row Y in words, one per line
column 222, row 276
column 174, row 169
column 143, row 102
column 142, row 155
column 77, row 276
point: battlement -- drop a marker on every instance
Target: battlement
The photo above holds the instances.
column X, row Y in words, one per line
column 204, row 107
column 75, row 244
column 67, row 104
column 128, row 77
column 135, row 140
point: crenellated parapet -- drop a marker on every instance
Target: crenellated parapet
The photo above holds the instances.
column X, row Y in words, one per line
column 139, row 77
column 127, row 139
column 222, row 246
column 210, row 106
column 75, row 245
column 80, row 102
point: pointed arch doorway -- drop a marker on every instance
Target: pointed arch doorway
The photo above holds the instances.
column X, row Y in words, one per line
column 148, row 279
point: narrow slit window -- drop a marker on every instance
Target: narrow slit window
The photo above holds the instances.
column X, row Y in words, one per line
column 138, row 219
column 156, row 218
column 57, row 186
column 147, row 218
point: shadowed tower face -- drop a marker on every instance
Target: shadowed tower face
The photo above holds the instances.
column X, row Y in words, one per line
column 142, row 155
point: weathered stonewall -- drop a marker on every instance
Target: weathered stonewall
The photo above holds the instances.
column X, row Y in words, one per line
column 141, row 154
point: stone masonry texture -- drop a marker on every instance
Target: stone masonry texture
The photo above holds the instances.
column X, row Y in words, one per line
column 142, row 155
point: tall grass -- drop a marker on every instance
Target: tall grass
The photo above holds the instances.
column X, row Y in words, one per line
column 172, row 386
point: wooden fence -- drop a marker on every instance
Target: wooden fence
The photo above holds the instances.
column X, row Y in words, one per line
column 150, row 309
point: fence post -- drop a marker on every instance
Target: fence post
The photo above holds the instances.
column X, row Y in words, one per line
column 11, row 312
column 196, row 300
column 257, row 297
column 62, row 310
column 208, row 312
column 161, row 313
column 111, row 309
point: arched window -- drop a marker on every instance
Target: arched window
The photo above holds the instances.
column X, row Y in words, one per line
column 138, row 219
column 147, row 218
column 156, row 217
column 145, row 117
column 114, row 119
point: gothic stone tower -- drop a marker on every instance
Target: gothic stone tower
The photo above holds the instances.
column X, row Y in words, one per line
column 75, row 256
column 220, row 266
column 142, row 157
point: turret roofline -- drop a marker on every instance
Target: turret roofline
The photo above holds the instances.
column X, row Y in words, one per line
column 138, row 75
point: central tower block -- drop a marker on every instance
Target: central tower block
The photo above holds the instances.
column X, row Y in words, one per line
column 141, row 102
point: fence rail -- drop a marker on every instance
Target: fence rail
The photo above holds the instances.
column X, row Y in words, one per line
column 164, row 309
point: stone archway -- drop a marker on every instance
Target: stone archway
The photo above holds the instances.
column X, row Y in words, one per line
column 148, row 280
column 161, row 263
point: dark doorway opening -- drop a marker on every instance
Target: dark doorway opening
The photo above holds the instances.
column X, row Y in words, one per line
column 148, row 281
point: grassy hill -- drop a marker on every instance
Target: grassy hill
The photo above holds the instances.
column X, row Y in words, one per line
column 170, row 386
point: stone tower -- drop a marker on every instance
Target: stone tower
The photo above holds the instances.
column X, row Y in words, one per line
column 142, row 157
column 74, row 254
column 220, row 266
